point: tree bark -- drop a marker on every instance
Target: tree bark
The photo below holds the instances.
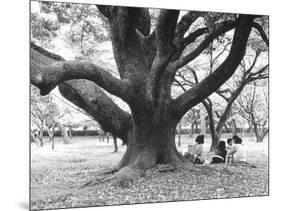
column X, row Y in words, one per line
column 152, row 143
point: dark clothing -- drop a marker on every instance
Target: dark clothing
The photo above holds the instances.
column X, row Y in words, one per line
column 221, row 153
column 219, row 156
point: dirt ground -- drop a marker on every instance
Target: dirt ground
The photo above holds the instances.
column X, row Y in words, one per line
column 57, row 175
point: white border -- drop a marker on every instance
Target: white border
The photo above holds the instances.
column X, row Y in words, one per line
column 15, row 117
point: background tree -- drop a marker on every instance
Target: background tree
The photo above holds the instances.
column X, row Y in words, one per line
column 253, row 67
column 253, row 107
column 147, row 63
column 42, row 109
column 46, row 116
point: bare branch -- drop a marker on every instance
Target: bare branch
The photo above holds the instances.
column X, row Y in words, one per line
column 259, row 72
column 261, row 31
column 210, row 84
column 223, row 28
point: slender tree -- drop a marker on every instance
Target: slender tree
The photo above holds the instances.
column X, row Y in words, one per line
column 253, row 107
column 147, row 64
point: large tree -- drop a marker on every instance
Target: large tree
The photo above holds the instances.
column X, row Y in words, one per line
column 147, row 63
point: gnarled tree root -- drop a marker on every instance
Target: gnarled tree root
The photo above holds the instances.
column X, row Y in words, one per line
column 133, row 167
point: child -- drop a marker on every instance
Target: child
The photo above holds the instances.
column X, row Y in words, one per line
column 229, row 157
column 238, row 151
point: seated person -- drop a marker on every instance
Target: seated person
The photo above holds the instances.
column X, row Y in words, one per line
column 229, row 147
column 238, row 151
column 196, row 155
column 220, row 153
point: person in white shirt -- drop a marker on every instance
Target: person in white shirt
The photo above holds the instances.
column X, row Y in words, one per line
column 238, row 150
column 196, row 154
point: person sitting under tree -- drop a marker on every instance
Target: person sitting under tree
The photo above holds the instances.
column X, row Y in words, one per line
column 196, row 154
column 238, row 151
column 220, row 153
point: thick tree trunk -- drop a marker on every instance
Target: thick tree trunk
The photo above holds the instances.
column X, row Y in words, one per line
column 150, row 143
column 215, row 140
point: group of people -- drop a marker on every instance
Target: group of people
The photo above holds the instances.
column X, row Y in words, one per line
column 230, row 151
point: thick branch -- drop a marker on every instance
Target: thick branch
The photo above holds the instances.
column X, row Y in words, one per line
column 47, row 74
column 88, row 96
column 184, row 24
column 210, row 84
column 85, row 94
column 141, row 16
column 128, row 28
column 164, row 34
column 223, row 28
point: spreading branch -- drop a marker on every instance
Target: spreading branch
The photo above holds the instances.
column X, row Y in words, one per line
column 184, row 24
column 262, row 32
column 128, row 28
column 86, row 95
column 210, row 84
column 223, row 28
column 47, row 75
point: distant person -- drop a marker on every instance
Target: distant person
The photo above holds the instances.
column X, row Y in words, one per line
column 220, row 153
column 238, row 151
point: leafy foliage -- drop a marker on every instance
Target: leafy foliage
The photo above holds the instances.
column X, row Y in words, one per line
column 43, row 29
column 82, row 25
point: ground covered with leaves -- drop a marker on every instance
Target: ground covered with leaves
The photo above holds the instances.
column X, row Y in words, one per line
column 78, row 175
